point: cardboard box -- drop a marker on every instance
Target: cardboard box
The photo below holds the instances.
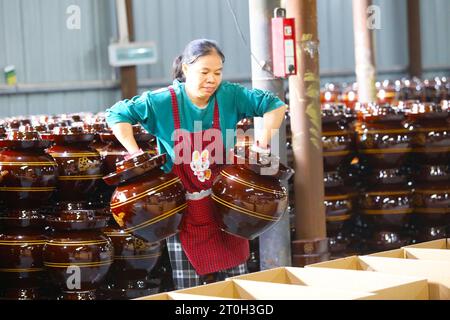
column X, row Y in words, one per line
column 178, row 296
column 384, row 286
column 256, row 290
column 428, row 254
column 436, row 272
column 415, row 253
column 435, row 244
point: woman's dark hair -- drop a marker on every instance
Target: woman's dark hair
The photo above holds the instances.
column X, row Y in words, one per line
column 194, row 50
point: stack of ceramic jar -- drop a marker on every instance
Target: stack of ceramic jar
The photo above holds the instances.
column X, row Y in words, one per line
column 27, row 181
column 53, row 213
column 77, row 254
column 384, row 142
column 431, row 154
column 134, row 258
column 338, row 151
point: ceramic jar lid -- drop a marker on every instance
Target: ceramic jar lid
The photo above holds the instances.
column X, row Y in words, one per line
column 332, row 113
column 134, row 167
column 25, row 138
column 251, row 160
column 382, row 113
column 72, row 220
column 22, row 219
column 75, row 134
column 428, row 110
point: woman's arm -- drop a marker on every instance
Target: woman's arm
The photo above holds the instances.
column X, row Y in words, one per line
column 124, row 133
column 272, row 122
column 126, row 113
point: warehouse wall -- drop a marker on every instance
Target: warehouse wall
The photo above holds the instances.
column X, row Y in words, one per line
column 173, row 23
column 435, row 29
column 34, row 38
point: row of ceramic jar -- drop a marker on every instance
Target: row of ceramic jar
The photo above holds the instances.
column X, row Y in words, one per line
column 75, row 249
column 384, row 135
column 428, row 90
column 34, row 165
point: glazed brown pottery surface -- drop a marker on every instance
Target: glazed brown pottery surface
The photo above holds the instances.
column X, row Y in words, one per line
column 113, row 151
column 27, row 174
column 77, row 254
column 386, row 92
column 330, row 93
column 432, row 197
column 80, row 168
column 383, row 139
column 249, row 203
column 147, row 203
column 386, row 207
column 387, row 200
column 337, row 138
column 383, row 240
column 431, row 141
column 134, row 258
column 22, row 239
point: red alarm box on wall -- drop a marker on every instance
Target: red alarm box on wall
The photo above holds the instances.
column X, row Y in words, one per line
column 283, row 44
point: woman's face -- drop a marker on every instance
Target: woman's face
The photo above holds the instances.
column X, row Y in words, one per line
column 204, row 76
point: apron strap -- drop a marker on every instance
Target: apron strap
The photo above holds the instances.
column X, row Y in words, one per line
column 216, row 120
column 176, row 112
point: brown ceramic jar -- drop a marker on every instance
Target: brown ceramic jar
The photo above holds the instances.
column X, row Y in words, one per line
column 431, row 141
column 80, row 168
column 248, row 203
column 338, row 203
column 432, row 202
column 147, row 203
column 330, row 93
column 134, row 259
column 337, row 138
column 386, row 92
column 383, row 139
column 77, row 254
column 96, row 128
column 409, row 89
column 432, row 90
column 27, row 174
column 350, row 95
column 113, row 151
column 22, row 239
column 386, row 207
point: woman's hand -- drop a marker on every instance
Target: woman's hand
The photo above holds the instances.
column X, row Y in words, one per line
column 133, row 154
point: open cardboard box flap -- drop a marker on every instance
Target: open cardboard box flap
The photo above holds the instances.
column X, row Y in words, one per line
column 179, row 296
column 436, row 272
column 276, row 291
column 415, row 253
column 256, row 290
column 435, row 244
column 385, row 286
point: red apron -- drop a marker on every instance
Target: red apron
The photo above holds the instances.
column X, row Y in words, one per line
column 208, row 248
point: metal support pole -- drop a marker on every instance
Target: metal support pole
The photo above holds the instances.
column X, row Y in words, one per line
column 414, row 38
column 364, row 52
column 274, row 244
column 311, row 244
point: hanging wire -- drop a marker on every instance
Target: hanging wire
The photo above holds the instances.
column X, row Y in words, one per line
column 244, row 40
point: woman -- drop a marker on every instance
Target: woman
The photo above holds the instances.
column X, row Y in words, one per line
column 198, row 95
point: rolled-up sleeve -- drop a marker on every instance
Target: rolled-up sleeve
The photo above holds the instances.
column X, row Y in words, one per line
column 256, row 102
column 139, row 109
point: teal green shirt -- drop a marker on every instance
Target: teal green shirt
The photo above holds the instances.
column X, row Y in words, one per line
column 153, row 110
